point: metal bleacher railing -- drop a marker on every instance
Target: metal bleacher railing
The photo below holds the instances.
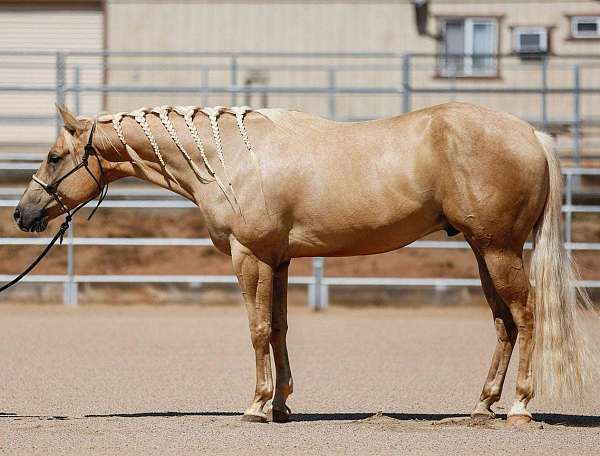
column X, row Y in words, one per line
column 329, row 64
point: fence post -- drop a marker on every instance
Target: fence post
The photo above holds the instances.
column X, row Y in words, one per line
column 332, row 94
column 204, row 81
column 568, row 213
column 60, row 85
column 234, row 80
column 545, row 92
column 77, row 89
column 318, row 293
column 577, row 115
column 71, row 287
column 60, row 99
column 406, row 82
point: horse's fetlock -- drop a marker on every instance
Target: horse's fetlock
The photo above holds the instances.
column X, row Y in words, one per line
column 264, row 393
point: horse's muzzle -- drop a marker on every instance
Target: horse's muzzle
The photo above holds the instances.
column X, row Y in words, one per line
column 31, row 219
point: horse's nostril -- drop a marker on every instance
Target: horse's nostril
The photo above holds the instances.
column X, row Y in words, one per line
column 17, row 214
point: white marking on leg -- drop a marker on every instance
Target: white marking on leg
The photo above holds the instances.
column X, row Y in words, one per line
column 519, row 408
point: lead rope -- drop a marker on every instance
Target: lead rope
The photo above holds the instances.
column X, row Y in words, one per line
column 59, row 235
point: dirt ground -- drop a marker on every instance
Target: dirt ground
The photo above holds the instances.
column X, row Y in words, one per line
column 175, row 379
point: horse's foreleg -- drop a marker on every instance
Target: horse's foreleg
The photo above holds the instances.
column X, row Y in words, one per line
column 256, row 281
column 283, row 374
column 506, row 333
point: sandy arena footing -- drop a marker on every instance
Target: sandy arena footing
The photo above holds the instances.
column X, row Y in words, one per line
column 175, row 380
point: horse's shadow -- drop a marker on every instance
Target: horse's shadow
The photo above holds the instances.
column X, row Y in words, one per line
column 548, row 418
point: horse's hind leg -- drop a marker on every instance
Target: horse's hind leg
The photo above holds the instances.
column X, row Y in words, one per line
column 507, row 273
column 283, row 374
column 506, row 333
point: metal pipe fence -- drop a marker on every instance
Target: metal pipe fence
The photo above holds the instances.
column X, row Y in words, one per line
column 406, row 79
column 318, row 283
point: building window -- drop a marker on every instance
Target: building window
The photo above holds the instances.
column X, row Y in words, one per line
column 530, row 41
column 585, row 26
column 469, row 47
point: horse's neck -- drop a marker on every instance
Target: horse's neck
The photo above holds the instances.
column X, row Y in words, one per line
column 130, row 149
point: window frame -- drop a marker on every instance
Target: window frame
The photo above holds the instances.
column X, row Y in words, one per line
column 468, row 26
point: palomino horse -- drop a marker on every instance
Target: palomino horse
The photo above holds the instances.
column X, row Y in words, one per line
column 273, row 185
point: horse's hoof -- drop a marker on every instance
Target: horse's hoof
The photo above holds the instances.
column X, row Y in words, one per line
column 482, row 417
column 254, row 418
column 280, row 416
column 518, row 420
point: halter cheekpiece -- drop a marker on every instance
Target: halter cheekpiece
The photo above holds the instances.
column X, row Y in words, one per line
column 52, row 189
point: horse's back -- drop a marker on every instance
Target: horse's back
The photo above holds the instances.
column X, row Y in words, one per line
column 368, row 187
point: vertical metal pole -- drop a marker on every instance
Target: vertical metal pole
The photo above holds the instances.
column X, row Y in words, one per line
column 406, row 83
column 204, row 82
column 77, row 89
column 71, row 285
column 452, row 81
column 318, row 293
column 545, row 92
column 577, row 116
column 60, row 85
column 569, row 213
column 234, row 80
column 60, row 99
column 332, row 94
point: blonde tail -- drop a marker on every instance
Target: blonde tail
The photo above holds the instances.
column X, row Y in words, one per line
column 563, row 363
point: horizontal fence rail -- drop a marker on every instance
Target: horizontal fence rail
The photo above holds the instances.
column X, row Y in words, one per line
column 318, row 283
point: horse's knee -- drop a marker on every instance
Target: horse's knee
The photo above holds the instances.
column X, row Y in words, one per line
column 260, row 334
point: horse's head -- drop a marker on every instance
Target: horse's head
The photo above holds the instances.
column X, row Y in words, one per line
column 62, row 182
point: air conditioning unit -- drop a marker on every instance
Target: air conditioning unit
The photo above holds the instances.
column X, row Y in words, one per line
column 530, row 40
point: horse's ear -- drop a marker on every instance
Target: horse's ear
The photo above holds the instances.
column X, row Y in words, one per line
column 72, row 124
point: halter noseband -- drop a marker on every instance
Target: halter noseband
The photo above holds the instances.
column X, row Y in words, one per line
column 52, row 189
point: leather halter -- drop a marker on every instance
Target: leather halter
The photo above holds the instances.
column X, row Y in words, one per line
column 52, row 189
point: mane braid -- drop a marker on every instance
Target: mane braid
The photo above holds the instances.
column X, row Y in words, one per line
column 163, row 114
column 188, row 112
column 213, row 115
column 240, row 112
column 188, row 117
column 140, row 118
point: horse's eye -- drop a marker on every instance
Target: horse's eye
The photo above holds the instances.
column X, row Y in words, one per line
column 54, row 159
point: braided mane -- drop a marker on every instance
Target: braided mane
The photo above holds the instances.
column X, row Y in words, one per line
column 188, row 113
